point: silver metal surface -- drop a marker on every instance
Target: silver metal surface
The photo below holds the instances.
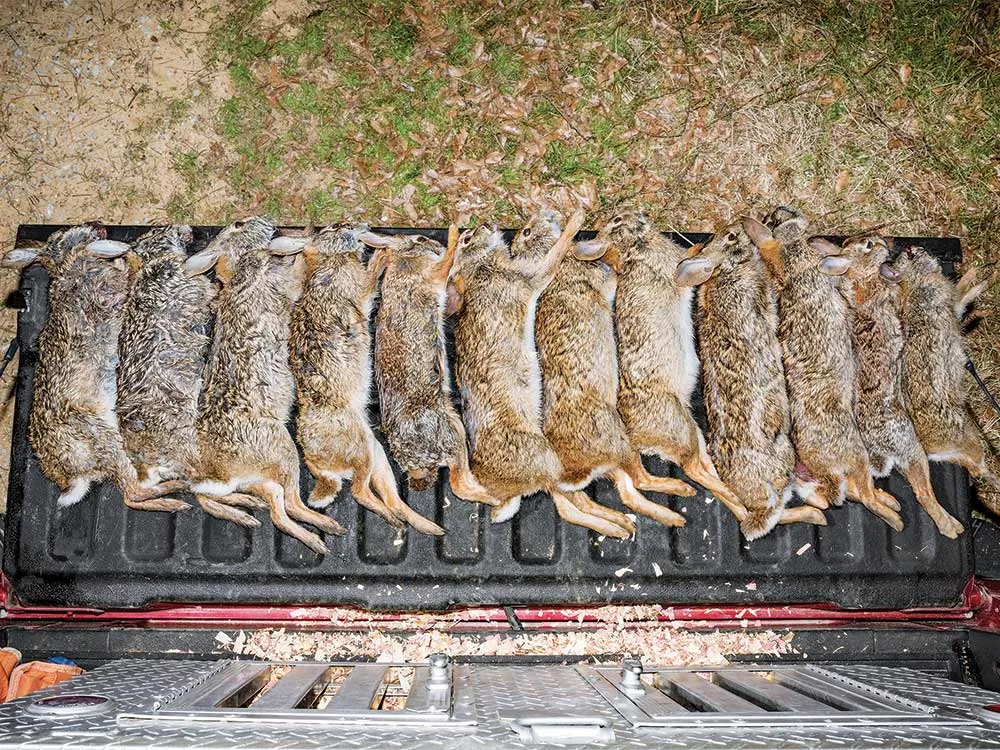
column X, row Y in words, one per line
column 291, row 688
column 508, row 707
column 755, row 697
column 358, row 690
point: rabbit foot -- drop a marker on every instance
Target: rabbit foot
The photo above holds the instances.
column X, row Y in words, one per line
column 887, row 514
column 947, row 524
column 216, row 508
column 643, row 480
column 884, row 498
column 242, row 500
column 803, row 514
column 570, row 511
column 464, row 485
column 164, row 504
column 634, row 500
column 698, row 471
column 311, row 517
column 424, row 525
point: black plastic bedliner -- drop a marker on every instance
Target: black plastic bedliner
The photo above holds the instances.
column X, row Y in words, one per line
column 98, row 554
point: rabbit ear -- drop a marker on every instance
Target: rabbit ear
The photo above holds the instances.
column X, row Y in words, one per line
column 835, row 265
column 590, row 249
column 759, row 234
column 390, row 241
column 823, row 247
column 106, row 249
column 887, row 272
column 283, row 245
column 202, row 262
column 694, row 271
column 20, row 257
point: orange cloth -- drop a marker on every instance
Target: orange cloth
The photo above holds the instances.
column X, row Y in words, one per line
column 35, row 675
column 9, row 657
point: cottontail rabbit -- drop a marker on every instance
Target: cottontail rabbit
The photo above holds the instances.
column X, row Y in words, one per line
column 166, row 322
column 498, row 371
column 814, row 328
column 934, row 362
column 73, row 429
column 743, row 379
column 575, row 337
column 248, row 391
column 657, row 362
column 331, row 360
column 411, row 364
column 885, row 426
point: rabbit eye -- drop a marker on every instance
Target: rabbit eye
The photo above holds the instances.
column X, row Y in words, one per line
column 238, row 224
column 731, row 238
column 526, row 231
column 616, row 220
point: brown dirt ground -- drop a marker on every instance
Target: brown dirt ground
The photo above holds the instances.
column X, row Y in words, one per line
column 100, row 99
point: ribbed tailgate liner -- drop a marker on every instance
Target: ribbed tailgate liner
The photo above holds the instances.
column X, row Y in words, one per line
column 98, row 554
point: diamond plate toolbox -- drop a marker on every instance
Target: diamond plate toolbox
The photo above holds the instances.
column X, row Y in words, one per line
column 191, row 704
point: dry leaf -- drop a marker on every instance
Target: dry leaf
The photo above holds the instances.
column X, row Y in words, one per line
column 905, row 71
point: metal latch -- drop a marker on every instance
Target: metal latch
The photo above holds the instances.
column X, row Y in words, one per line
column 563, row 730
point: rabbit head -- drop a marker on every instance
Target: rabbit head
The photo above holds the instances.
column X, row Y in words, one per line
column 867, row 255
column 783, row 242
column 65, row 246
column 727, row 250
column 337, row 240
column 238, row 240
column 160, row 244
column 911, row 266
column 537, row 236
column 619, row 240
column 476, row 246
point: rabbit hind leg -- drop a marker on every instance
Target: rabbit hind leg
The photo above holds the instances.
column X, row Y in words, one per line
column 634, row 500
column 272, row 493
column 286, row 474
column 383, row 482
column 218, row 509
column 691, row 454
column 803, row 514
column 917, row 472
column 460, row 477
column 861, row 487
column 576, row 508
column 643, row 480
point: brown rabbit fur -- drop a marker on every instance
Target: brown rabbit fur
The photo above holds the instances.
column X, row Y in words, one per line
column 885, row 426
column 934, row 365
column 73, row 428
column 411, row 367
column 499, row 375
column 248, row 391
column 815, row 327
column 166, row 322
column 743, row 380
column 575, row 337
column 657, row 362
column 331, row 360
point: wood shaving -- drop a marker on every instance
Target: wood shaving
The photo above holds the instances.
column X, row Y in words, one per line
column 654, row 643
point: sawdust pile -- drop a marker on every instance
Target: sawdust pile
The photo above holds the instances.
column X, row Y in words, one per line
column 609, row 633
